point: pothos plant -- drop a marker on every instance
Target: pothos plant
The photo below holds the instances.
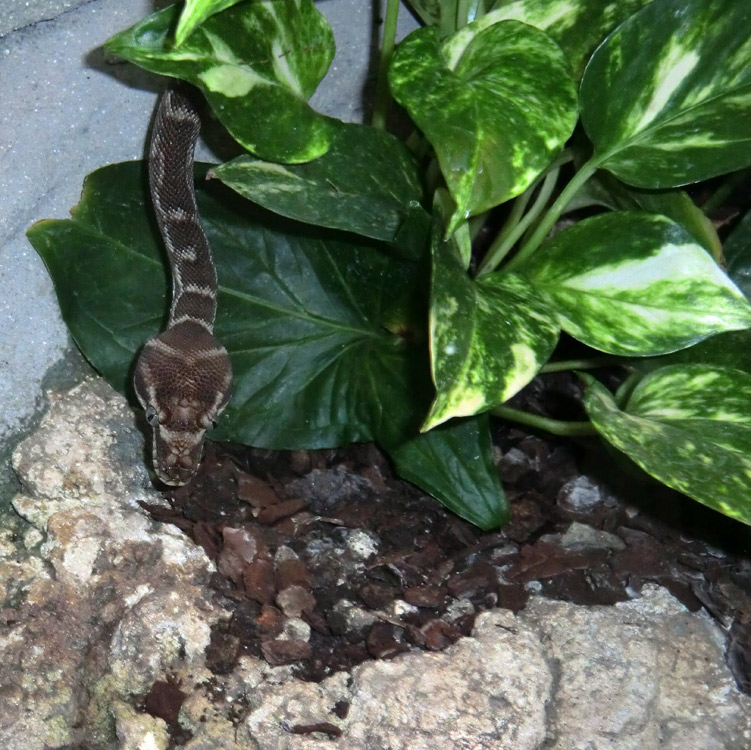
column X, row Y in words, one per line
column 361, row 298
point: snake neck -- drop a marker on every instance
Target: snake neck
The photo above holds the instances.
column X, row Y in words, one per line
column 194, row 282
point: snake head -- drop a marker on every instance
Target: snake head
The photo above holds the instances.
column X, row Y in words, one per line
column 183, row 384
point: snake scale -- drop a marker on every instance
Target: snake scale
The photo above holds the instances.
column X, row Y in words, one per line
column 183, row 376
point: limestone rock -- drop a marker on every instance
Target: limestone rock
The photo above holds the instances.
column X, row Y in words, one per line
column 110, row 600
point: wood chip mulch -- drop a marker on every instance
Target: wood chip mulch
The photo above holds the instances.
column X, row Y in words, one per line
column 326, row 560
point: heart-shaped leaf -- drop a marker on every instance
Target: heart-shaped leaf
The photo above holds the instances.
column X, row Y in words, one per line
column 488, row 337
column 257, row 63
column 636, row 284
column 577, row 27
column 667, row 97
column 305, row 318
column 317, row 326
column 688, row 426
column 366, row 183
column 496, row 115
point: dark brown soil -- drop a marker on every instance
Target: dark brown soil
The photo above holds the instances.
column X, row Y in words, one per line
column 326, row 560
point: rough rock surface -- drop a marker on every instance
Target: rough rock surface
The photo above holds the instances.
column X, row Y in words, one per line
column 107, row 617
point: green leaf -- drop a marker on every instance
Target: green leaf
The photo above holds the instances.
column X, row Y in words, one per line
column 688, row 426
column 496, row 114
column 454, row 463
column 732, row 349
column 366, row 183
column 195, row 12
column 665, row 99
column 636, row 284
column 605, row 190
column 488, row 337
column 303, row 316
column 577, row 27
column 257, row 63
column 306, row 319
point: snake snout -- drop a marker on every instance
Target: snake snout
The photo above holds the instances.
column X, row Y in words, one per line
column 177, row 456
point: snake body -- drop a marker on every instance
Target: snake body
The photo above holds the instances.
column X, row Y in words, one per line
column 183, row 376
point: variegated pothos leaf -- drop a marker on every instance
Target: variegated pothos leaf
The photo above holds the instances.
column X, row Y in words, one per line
column 637, row 284
column 667, row 97
column 367, row 183
column 578, row 27
column 688, row 426
column 488, row 337
column 257, row 63
column 496, row 114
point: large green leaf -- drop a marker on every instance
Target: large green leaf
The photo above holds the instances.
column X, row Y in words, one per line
column 195, row 12
column 488, row 337
column 454, row 463
column 317, row 326
column 257, row 63
column 304, row 317
column 366, row 183
column 496, row 114
column 667, row 97
column 636, row 284
column 577, row 27
column 688, row 426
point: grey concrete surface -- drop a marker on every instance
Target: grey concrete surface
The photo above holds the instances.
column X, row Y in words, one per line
column 15, row 14
column 67, row 111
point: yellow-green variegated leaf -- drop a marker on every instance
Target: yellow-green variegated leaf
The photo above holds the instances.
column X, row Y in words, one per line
column 496, row 114
column 367, row 183
column 195, row 12
column 577, row 25
column 257, row 63
column 488, row 337
column 666, row 99
column 634, row 283
column 604, row 190
column 688, row 426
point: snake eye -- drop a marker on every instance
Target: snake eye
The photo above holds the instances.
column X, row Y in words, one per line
column 207, row 422
column 151, row 415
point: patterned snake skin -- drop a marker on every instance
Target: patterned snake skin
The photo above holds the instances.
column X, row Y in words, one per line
column 183, row 377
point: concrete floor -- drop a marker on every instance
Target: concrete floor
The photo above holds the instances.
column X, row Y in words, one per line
column 68, row 110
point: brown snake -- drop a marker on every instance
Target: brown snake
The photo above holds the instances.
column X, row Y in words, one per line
column 183, row 376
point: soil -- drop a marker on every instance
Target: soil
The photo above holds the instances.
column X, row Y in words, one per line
column 326, row 559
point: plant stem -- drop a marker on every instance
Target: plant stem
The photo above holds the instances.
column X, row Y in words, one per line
column 553, row 214
column 625, row 389
column 581, row 364
column 507, row 239
column 381, row 99
column 462, row 14
column 554, row 426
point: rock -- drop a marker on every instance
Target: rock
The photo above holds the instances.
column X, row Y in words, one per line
column 582, row 537
column 581, row 494
column 110, row 601
column 643, row 674
column 108, row 619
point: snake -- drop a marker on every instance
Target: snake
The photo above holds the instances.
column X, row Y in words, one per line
column 183, row 376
